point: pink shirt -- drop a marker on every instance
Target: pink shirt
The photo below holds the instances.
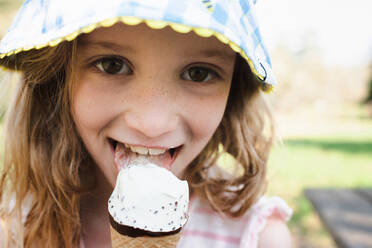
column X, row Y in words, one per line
column 206, row 228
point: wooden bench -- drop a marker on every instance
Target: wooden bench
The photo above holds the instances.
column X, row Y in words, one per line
column 346, row 213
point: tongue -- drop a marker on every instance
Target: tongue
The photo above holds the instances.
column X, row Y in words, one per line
column 124, row 157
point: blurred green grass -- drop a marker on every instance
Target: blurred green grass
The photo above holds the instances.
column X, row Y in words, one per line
column 338, row 159
column 339, row 155
column 322, row 161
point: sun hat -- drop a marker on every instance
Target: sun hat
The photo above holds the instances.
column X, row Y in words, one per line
column 41, row 23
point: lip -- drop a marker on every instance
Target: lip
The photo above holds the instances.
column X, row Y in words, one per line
column 174, row 153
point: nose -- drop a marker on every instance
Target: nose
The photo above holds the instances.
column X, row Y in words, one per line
column 152, row 113
column 152, row 122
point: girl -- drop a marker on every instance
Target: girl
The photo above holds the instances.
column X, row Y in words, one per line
column 178, row 81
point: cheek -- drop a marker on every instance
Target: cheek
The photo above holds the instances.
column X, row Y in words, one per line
column 91, row 107
column 207, row 120
column 207, row 115
column 204, row 118
column 91, row 113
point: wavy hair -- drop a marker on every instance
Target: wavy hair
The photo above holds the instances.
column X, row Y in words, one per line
column 242, row 134
column 46, row 159
column 43, row 154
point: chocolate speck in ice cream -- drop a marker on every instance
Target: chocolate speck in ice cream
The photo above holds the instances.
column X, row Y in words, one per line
column 148, row 200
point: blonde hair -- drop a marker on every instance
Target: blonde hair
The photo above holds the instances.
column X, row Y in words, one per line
column 45, row 157
column 241, row 134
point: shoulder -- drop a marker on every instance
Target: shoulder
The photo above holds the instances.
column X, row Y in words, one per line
column 275, row 234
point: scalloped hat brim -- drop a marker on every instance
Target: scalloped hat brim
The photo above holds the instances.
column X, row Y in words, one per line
column 15, row 41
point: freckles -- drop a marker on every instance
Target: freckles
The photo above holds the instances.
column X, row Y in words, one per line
column 91, row 109
column 206, row 116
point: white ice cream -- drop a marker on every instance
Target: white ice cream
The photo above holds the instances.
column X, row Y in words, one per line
column 149, row 197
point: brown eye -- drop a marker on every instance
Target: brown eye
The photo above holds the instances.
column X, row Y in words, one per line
column 113, row 66
column 198, row 74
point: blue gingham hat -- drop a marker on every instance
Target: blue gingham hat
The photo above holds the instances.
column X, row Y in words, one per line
column 41, row 23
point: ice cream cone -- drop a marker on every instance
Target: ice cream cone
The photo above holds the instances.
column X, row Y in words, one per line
column 150, row 214
column 118, row 241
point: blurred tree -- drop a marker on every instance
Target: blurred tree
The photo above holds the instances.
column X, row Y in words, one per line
column 369, row 92
column 368, row 99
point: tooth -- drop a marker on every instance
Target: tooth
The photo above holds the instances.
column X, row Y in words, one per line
column 154, row 151
column 139, row 150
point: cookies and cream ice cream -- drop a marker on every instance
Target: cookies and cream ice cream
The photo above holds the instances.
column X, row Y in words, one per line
column 149, row 205
column 149, row 198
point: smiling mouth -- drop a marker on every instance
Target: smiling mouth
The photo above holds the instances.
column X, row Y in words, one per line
column 125, row 153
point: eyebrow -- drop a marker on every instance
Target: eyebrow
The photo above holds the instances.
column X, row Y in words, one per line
column 106, row 45
column 214, row 53
column 209, row 53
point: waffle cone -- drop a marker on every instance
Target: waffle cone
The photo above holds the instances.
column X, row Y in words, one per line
column 118, row 241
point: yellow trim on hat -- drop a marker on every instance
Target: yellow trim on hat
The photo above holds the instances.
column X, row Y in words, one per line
column 155, row 24
column 3, row 68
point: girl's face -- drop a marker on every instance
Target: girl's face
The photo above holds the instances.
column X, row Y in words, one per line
column 154, row 91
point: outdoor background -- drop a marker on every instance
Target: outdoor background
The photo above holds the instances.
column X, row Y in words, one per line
column 322, row 57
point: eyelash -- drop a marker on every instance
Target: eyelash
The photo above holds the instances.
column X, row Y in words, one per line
column 98, row 64
column 211, row 74
column 185, row 75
